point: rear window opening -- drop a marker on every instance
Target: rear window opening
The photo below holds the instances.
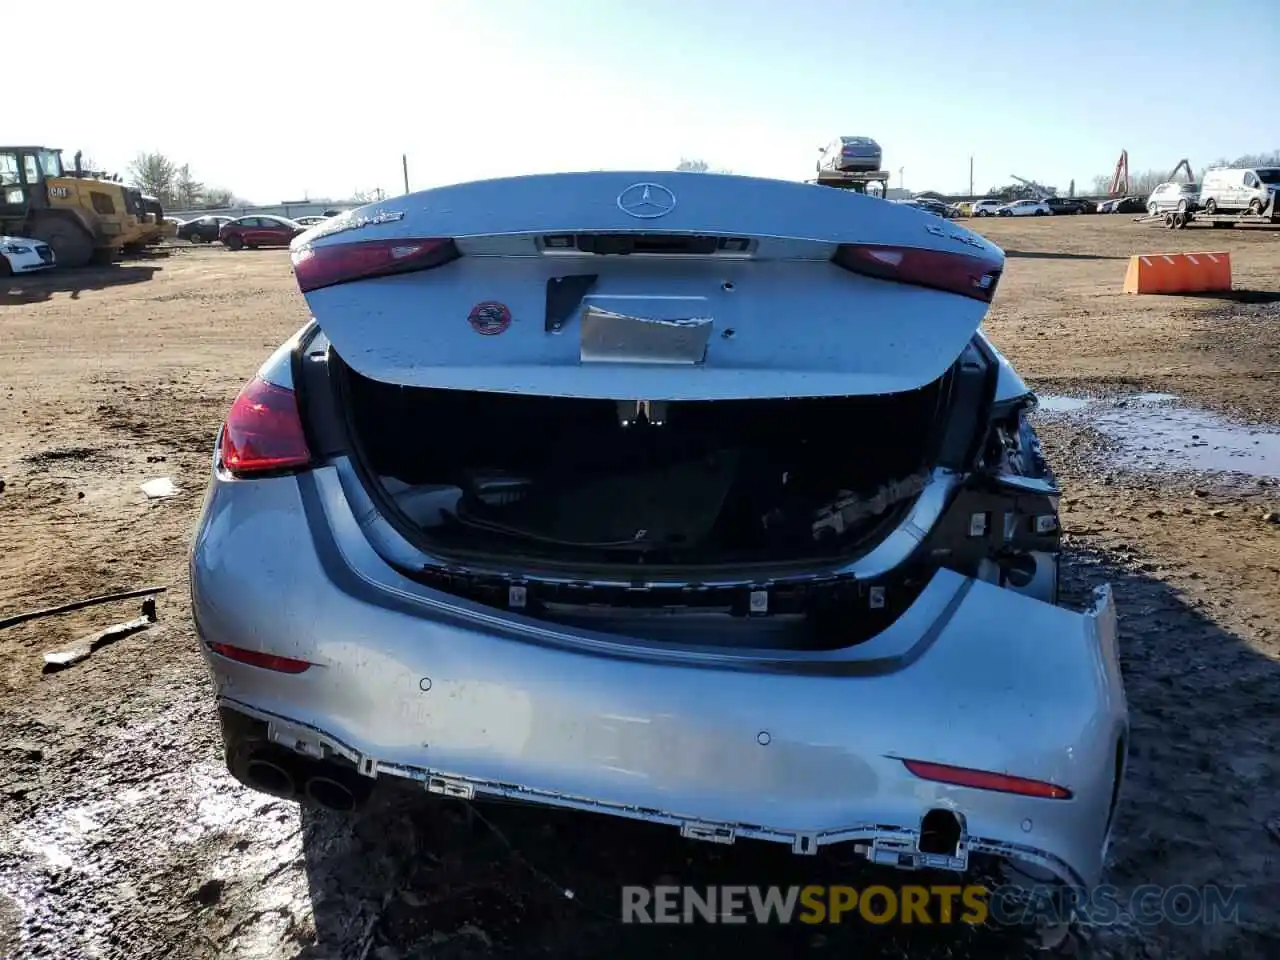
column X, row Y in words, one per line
column 646, row 483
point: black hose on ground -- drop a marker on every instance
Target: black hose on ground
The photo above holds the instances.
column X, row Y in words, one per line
column 78, row 605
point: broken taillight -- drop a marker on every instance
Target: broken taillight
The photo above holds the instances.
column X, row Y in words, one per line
column 985, row 780
column 256, row 658
column 263, row 432
column 973, row 275
column 324, row 266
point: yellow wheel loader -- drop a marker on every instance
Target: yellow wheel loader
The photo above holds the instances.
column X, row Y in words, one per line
column 81, row 217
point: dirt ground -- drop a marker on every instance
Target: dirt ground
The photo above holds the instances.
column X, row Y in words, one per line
column 121, row 836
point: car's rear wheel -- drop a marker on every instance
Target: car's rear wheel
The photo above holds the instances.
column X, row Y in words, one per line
column 1152, row 209
column 196, row 238
column 1255, row 207
column 1182, row 206
column 1210, row 207
column 233, row 242
column 5, row 269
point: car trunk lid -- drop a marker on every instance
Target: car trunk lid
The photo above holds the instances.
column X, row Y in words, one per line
column 676, row 286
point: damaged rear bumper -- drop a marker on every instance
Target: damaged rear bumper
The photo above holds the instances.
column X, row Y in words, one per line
column 803, row 748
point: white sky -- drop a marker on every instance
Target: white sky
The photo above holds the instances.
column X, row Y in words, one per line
column 277, row 98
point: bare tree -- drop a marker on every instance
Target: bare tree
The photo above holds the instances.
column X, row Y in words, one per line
column 1270, row 159
column 217, row 198
column 187, row 190
column 154, row 174
column 697, row 165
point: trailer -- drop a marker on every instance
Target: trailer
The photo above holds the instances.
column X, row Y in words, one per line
column 1175, row 220
column 855, row 180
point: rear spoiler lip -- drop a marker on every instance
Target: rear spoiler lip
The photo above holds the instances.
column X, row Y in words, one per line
column 703, row 203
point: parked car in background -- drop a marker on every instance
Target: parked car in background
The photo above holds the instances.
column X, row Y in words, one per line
column 259, row 231
column 24, row 255
column 849, row 155
column 379, row 597
column 1123, row 205
column 939, row 207
column 985, row 207
column 202, row 229
column 1241, row 190
column 310, row 221
column 1024, row 208
column 1061, row 206
column 1169, row 197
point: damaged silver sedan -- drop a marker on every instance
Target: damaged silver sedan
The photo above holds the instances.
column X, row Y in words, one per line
column 696, row 499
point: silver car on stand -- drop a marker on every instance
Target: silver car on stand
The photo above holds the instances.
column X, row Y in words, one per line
column 690, row 498
column 850, row 155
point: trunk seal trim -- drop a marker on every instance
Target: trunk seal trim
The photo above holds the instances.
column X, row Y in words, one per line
column 527, row 630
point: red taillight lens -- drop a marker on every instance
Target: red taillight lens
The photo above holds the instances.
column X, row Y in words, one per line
column 982, row 780
column 968, row 274
column 263, row 431
column 255, row 658
column 316, row 267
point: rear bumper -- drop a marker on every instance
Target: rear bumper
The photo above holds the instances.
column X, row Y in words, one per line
column 859, row 164
column 799, row 748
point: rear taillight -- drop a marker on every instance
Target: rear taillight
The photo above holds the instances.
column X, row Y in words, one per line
column 263, row 432
column 316, row 267
column 256, row 658
column 968, row 274
column 985, row 780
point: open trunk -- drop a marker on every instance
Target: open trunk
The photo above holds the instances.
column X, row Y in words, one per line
column 592, row 482
column 578, row 393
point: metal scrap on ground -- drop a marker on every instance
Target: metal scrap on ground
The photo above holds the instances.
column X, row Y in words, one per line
column 61, row 659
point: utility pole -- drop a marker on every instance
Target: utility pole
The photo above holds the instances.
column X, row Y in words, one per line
column 404, row 164
column 971, row 175
column 902, row 179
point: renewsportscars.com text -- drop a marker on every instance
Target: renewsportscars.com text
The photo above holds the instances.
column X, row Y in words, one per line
column 938, row 904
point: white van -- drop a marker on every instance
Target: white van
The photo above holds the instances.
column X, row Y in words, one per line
column 1240, row 189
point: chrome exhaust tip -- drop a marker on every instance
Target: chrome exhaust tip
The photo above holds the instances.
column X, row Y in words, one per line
column 330, row 794
column 268, row 776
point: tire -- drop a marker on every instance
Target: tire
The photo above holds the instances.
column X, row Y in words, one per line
column 252, row 246
column 5, row 269
column 71, row 245
column 1255, row 207
column 1039, row 213
column 233, row 242
column 1211, row 206
column 1182, row 207
column 1152, row 210
column 196, row 238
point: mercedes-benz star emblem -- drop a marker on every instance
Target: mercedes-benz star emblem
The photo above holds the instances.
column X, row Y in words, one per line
column 646, row 201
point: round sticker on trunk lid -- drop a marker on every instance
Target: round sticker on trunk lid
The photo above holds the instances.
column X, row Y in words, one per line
column 489, row 318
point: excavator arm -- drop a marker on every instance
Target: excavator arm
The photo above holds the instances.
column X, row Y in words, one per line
column 1183, row 164
column 1120, row 179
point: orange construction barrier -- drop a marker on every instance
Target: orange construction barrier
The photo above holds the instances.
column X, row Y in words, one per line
column 1178, row 273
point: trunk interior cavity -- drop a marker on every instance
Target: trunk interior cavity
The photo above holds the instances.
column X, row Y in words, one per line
column 591, row 482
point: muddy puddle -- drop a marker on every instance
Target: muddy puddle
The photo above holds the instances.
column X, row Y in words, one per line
column 166, row 849
column 1156, row 431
